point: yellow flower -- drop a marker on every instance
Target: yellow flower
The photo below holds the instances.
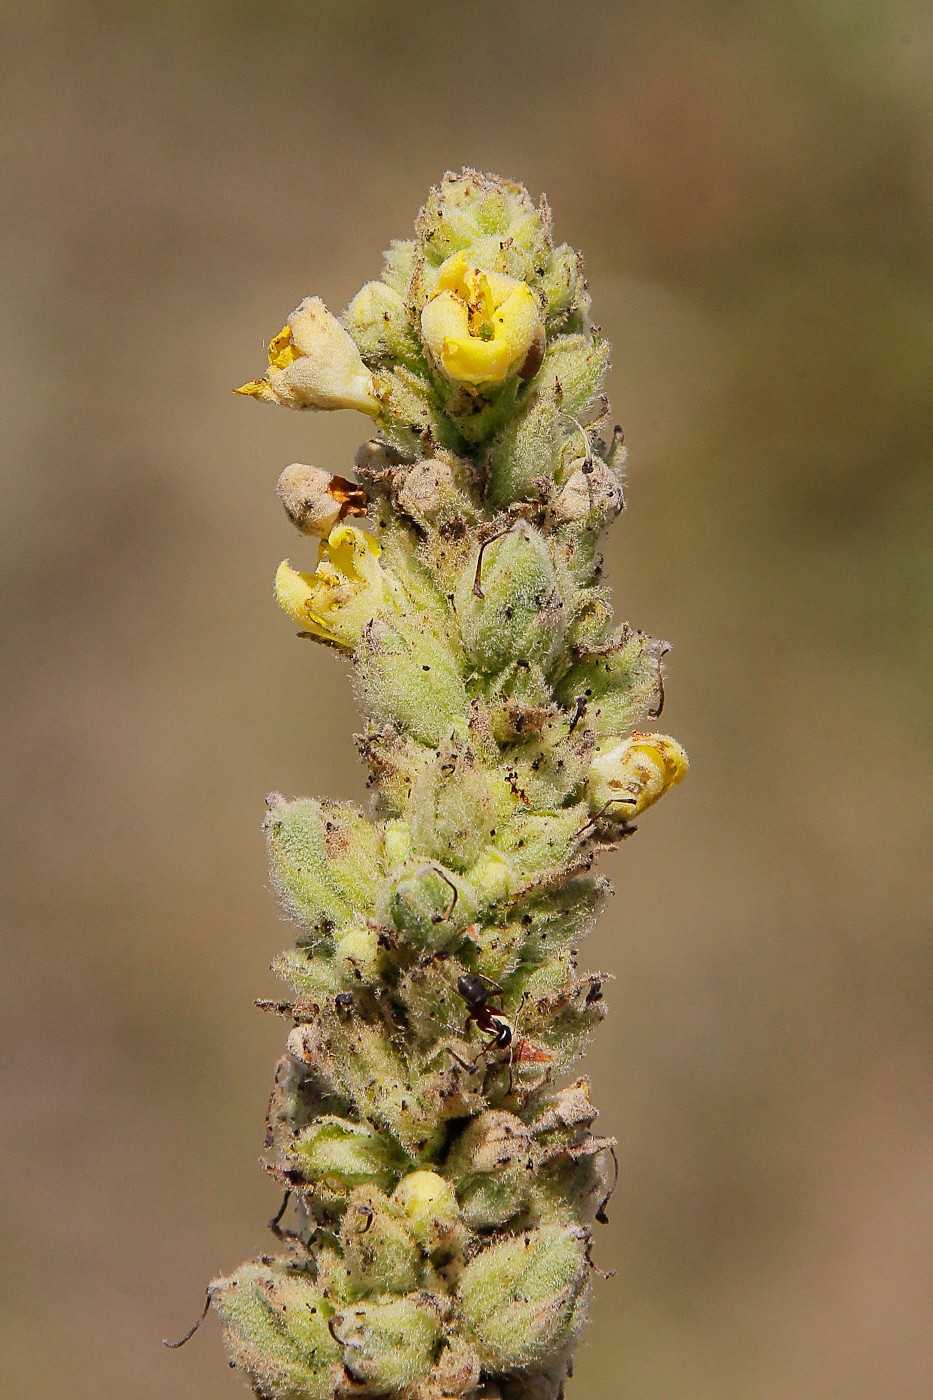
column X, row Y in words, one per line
column 347, row 588
column 482, row 327
column 634, row 773
column 313, row 363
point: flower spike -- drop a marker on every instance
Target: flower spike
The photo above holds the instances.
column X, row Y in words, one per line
column 442, row 1174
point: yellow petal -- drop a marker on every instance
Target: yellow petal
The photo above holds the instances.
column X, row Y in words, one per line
column 473, row 361
column 295, row 593
column 282, row 350
column 516, row 322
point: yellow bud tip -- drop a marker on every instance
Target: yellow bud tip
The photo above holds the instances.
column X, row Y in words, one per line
column 256, row 389
column 422, row 1192
column 633, row 774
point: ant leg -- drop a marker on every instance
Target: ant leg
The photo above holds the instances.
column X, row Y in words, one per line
column 469, row 1066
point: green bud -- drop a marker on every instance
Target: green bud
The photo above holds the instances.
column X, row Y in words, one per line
column 314, row 975
column 325, row 859
column 564, row 286
column 535, row 841
column 519, row 1297
column 359, row 957
column 397, row 264
column 492, row 876
column 408, row 678
column 573, row 371
column 510, row 603
column 275, row 1325
column 378, row 1243
column 390, row 1345
column 409, row 414
column 377, row 319
column 619, row 680
column 522, row 454
column 561, row 1008
column 336, row 1155
column 592, row 620
column 469, row 206
column 361, row 1062
column 456, row 804
column 398, row 842
column 431, row 905
column 429, row 993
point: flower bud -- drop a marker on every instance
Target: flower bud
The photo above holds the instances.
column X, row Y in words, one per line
column 455, row 806
column 564, row 286
column 313, row 363
column 315, row 501
column 521, row 1298
column 431, row 905
column 633, row 774
column 378, row 1243
column 468, row 206
column 620, row 681
column 346, row 590
column 408, row 678
column 377, row 319
column 389, row 1345
column 275, row 1325
column 510, row 603
column 573, row 370
column 522, row 456
column 325, row 859
column 492, row 876
column 591, row 496
column 337, row 1155
column 430, row 1207
column 359, row 956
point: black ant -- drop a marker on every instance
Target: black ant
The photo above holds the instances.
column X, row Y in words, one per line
column 477, row 991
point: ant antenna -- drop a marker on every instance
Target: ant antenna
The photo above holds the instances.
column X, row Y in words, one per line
column 191, row 1330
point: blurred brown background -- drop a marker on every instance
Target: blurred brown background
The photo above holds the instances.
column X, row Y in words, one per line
column 752, row 185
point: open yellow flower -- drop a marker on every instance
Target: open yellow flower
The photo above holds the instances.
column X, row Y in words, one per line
column 313, row 363
column 347, row 588
column 628, row 776
column 481, row 327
